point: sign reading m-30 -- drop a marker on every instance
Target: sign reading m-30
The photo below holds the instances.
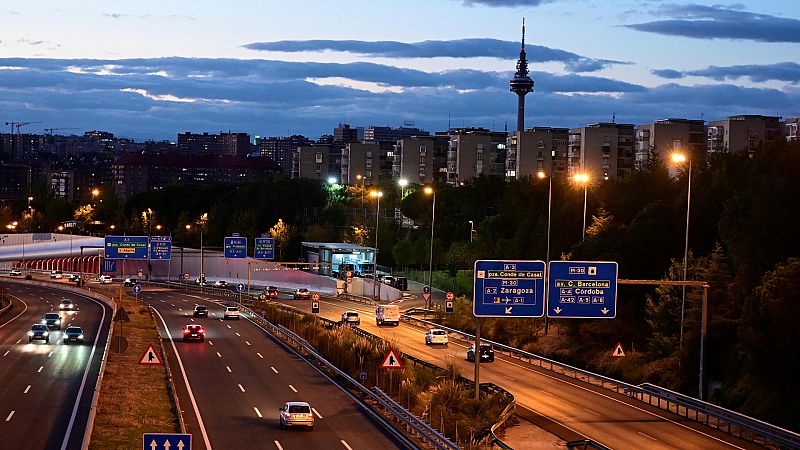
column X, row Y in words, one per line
column 582, row 289
column 508, row 289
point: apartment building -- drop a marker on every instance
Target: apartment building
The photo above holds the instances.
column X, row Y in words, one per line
column 665, row 136
column 604, row 150
column 280, row 149
column 317, row 162
column 474, row 152
column 791, row 129
column 537, row 149
column 364, row 160
column 743, row 133
column 421, row 159
column 223, row 144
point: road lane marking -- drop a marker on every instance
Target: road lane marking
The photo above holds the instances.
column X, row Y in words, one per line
column 319, row 416
column 229, row 369
column 210, row 343
column 227, row 325
column 19, row 340
column 260, row 356
column 241, row 387
column 219, row 355
column 27, row 389
column 21, row 312
column 237, row 334
column 278, row 444
column 11, row 414
column 273, row 369
column 258, row 413
column 647, row 435
column 593, row 412
column 192, row 320
column 40, row 369
column 247, row 342
column 292, row 388
column 345, row 445
column 50, row 354
column 7, row 352
column 173, row 304
column 186, row 382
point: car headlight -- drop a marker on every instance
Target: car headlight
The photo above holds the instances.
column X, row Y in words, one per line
column 58, row 320
column 46, row 333
column 30, row 333
column 80, row 336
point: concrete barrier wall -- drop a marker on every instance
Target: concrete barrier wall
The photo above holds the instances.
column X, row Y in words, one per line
column 367, row 288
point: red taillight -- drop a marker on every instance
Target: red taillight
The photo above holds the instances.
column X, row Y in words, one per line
column 201, row 331
column 186, row 331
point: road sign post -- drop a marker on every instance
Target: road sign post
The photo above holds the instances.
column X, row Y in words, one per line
column 582, row 289
column 508, row 289
column 449, row 302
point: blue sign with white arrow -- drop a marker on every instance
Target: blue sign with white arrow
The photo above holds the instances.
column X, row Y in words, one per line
column 508, row 289
column 235, row 247
column 161, row 247
column 264, row 248
column 165, row 441
column 240, row 287
column 137, row 289
column 582, row 289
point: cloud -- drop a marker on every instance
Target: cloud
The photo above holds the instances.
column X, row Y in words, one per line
column 505, row 3
column 159, row 97
column 27, row 41
column 459, row 48
column 759, row 73
column 720, row 22
column 116, row 15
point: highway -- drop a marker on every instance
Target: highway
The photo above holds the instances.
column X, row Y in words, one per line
column 231, row 385
column 613, row 420
column 46, row 389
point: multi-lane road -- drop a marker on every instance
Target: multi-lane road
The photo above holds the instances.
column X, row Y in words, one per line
column 231, row 385
column 46, row 388
column 611, row 419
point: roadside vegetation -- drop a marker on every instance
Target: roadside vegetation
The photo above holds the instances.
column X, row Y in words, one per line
column 444, row 399
column 134, row 399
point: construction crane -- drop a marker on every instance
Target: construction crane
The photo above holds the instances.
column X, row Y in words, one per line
column 50, row 130
column 18, row 125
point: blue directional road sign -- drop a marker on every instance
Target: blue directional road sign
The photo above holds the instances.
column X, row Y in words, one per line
column 264, row 248
column 508, row 289
column 137, row 289
column 236, row 247
column 161, row 247
column 582, row 289
column 109, row 265
column 159, row 441
column 240, row 287
column 126, row 247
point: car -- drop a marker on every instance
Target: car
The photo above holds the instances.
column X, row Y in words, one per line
column 387, row 315
column 105, row 279
column 130, row 281
column 56, row 275
column 231, row 312
column 302, row 293
column 15, row 273
column 39, row 331
column 200, row 311
column 52, row 320
column 436, row 336
column 193, row 332
column 351, row 318
column 296, row 414
column 73, row 277
column 221, row 284
column 73, row 334
column 487, row 353
column 271, row 292
column 387, row 279
column 66, row 305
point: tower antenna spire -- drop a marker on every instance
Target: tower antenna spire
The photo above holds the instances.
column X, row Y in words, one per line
column 521, row 84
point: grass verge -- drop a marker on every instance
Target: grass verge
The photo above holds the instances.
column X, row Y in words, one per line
column 134, row 399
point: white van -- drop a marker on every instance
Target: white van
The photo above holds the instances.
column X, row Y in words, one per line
column 387, row 315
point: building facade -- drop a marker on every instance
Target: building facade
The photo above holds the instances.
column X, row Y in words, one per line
column 474, row 152
column 603, row 150
column 743, row 133
column 280, row 149
column 663, row 137
column 421, row 159
column 537, row 149
column 317, row 162
column 364, row 160
column 791, row 129
column 205, row 144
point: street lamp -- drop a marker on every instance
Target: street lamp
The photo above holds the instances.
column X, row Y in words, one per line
column 169, row 261
column 430, row 191
column 541, row 174
column 471, row 229
column 583, row 178
column 402, row 182
column 201, row 277
column 680, row 158
column 377, row 195
column 30, row 199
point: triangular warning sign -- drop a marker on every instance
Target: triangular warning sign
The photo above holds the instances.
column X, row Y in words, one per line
column 618, row 352
column 150, row 357
column 391, row 360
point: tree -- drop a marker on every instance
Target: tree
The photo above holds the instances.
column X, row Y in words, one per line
column 282, row 233
column 84, row 213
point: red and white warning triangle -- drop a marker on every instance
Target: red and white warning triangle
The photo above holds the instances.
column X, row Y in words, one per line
column 150, row 357
column 618, row 352
column 391, row 360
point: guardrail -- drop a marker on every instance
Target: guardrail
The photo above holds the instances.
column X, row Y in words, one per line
column 586, row 444
column 731, row 422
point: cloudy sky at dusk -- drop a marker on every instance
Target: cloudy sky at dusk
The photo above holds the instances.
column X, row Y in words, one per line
column 152, row 69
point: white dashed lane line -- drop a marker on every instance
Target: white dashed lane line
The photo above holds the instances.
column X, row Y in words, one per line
column 260, row 356
column 227, row 325
column 247, row 342
column 258, row 413
column 40, row 369
column 292, row 388
column 229, row 369
column 219, row 355
column 274, row 369
column 210, row 343
column 237, row 334
column 7, row 352
column 27, row 389
column 241, row 387
column 50, row 354
column 319, row 416
column 278, row 445
column 345, row 445
column 11, row 414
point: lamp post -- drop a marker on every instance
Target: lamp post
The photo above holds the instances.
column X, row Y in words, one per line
column 377, row 195
column 541, row 174
column 430, row 191
column 471, row 229
column 680, row 158
column 169, row 261
column 202, row 274
column 583, row 178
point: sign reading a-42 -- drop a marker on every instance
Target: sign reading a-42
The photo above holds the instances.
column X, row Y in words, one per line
column 508, row 289
column 582, row 289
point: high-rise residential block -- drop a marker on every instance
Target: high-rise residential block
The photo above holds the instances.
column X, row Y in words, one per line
column 742, row 133
column 537, row 149
column 361, row 160
column 421, row 159
column 603, row 150
column 670, row 135
column 474, row 152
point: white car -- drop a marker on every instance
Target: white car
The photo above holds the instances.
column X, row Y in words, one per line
column 56, row 275
column 231, row 312
column 387, row 279
column 66, row 305
column 296, row 414
column 105, row 279
column 351, row 318
column 436, row 336
column 221, row 283
column 15, row 273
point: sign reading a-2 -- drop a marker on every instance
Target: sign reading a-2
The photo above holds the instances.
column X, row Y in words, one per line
column 582, row 289
column 508, row 289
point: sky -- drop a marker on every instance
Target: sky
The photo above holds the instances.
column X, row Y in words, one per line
column 152, row 69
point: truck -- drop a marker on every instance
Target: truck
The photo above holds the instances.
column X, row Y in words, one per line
column 387, row 315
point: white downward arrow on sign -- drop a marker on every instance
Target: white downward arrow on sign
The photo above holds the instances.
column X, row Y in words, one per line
column 558, row 310
column 508, row 309
column 604, row 310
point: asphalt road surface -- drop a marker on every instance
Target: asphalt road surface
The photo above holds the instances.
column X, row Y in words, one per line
column 46, row 388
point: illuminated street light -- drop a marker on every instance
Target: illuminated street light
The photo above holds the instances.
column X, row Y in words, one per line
column 332, row 181
column 583, row 178
column 680, row 158
column 377, row 195
column 541, row 175
column 430, row 191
